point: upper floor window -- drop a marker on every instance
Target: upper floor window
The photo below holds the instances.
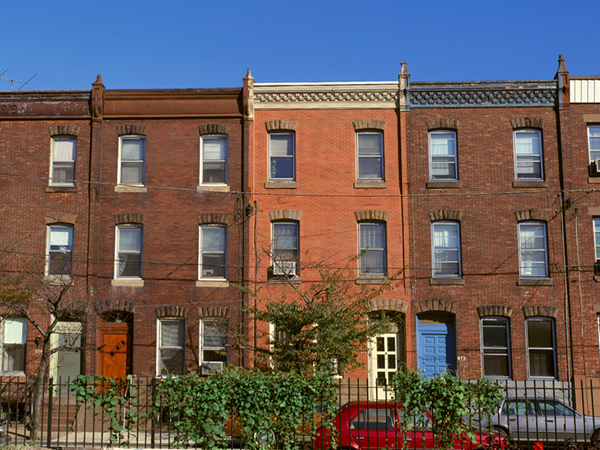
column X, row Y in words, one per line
column 286, row 248
column 213, row 168
column 528, row 155
column 14, row 340
column 132, row 153
column 533, row 258
column 213, row 345
column 171, row 346
column 442, row 156
column 594, row 147
column 597, row 246
column 445, row 249
column 370, row 155
column 59, row 259
column 495, row 347
column 62, row 164
column 541, row 348
column 372, row 248
column 128, row 261
column 282, row 157
column 213, row 251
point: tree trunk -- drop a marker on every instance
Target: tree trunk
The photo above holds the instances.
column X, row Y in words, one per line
column 38, row 392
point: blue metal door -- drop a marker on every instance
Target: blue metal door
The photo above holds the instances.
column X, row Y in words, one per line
column 436, row 347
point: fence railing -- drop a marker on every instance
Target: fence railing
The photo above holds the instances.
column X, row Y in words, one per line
column 532, row 411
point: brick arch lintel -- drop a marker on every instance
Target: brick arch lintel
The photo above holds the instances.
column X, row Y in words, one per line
column 532, row 214
column 445, row 214
column 213, row 128
column 368, row 124
column 442, row 123
column 540, row 310
column 60, row 217
column 170, row 311
column 388, row 304
column 435, row 304
column 281, row 125
column 282, row 214
column 207, row 218
column 112, row 305
column 64, row 130
column 129, row 218
column 494, row 310
column 131, row 129
column 213, row 311
column 371, row 214
column 527, row 122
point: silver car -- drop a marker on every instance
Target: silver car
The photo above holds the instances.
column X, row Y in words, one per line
column 545, row 420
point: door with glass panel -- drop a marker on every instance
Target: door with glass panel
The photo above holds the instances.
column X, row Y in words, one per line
column 66, row 361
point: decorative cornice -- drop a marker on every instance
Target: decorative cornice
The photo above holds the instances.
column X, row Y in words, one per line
column 388, row 304
column 435, row 304
column 445, row 214
column 170, row 311
column 64, row 130
column 368, row 124
column 213, row 128
column 540, row 310
column 60, row 217
column 281, row 125
column 527, row 122
column 131, row 129
column 371, row 214
column 494, row 310
column 129, row 218
column 208, row 218
column 532, row 214
column 442, row 122
column 283, row 214
column 213, row 311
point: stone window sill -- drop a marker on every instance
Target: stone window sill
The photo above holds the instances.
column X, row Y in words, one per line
column 363, row 184
column 282, row 279
column 444, row 185
column 136, row 282
column 212, row 283
column 534, row 282
column 372, row 279
column 281, row 185
column 530, row 184
column 51, row 189
column 594, row 180
column 57, row 280
column 212, row 188
column 131, row 189
column 447, row 281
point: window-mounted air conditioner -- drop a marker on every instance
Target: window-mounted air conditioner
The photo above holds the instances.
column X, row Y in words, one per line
column 596, row 167
column 284, row 268
column 211, row 367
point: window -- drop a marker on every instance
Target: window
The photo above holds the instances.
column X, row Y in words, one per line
column 446, row 249
column 372, row 249
column 495, row 347
column 129, row 252
column 213, row 345
column 285, row 248
column 213, row 169
column 64, row 154
column 59, row 261
column 370, row 155
column 171, row 346
column 533, row 261
column 282, row 164
column 132, row 155
column 213, row 245
column 14, row 339
column 442, row 154
column 528, row 155
column 594, row 147
column 541, row 348
column 597, row 246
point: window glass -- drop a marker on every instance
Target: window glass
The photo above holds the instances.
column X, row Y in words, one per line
column 212, row 251
column 446, row 249
column 171, row 346
column 214, row 160
column 540, row 347
column 132, row 160
column 443, row 155
column 60, row 250
column 213, row 352
column 370, row 156
column 594, row 143
column 528, row 155
column 533, row 262
column 64, row 153
column 129, row 252
column 374, row 419
column 14, row 339
column 495, row 347
column 285, row 248
column 282, row 156
column 372, row 247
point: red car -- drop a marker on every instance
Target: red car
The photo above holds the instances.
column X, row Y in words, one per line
column 365, row 425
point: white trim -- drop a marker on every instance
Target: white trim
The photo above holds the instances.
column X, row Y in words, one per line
column 226, row 175
column 159, row 325
column 142, row 138
column 381, row 156
column 117, row 243
column 543, row 226
column 541, row 154
column 458, row 250
column 293, row 157
column 49, row 228
column 52, row 159
column 455, row 162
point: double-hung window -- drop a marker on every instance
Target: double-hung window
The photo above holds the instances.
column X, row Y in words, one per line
column 64, row 155
column 14, row 340
column 372, row 248
column 370, row 155
column 541, row 348
column 528, row 155
column 533, row 258
column 213, row 345
column 445, row 249
column 495, row 347
column 171, row 346
column 128, row 262
column 59, row 259
column 132, row 153
column 597, row 246
column 213, row 169
column 213, row 249
column 282, row 157
column 285, row 248
column 594, row 148
column 442, row 156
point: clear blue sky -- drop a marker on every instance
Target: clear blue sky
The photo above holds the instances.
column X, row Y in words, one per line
column 197, row 44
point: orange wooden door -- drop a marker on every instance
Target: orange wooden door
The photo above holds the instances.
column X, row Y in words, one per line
column 115, row 353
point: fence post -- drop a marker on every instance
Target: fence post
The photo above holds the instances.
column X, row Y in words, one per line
column 49, row 426
column 152, row 418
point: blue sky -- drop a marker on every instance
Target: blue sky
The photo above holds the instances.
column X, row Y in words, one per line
column 201, row 44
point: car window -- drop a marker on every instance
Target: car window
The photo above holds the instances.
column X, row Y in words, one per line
column 373, row 419
column 554, row 408
column 415, row 422
column 518, row 408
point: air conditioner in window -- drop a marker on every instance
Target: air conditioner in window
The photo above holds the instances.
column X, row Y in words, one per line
column 596, row 167
column 211, row 367
column 208, row 272
column 284, row 268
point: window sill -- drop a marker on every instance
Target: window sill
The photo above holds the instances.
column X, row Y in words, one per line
column 51, row 189
column 213, row 188
column 594, row 180
column 363, row 184
column 372, row 279
column 282, row 279
column 447, row 281
column 530, row 184
column 131, row 189
column 281, row 185
column 135, row 282
column 58, row 280
column 534, row 282
column 443, row 185
column 212, row 283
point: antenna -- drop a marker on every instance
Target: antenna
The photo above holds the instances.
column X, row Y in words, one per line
column 12, row 82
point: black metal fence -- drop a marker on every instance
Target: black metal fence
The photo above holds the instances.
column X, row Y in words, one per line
column 533, row 411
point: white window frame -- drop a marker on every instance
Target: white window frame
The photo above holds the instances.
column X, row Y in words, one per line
column 202, row 251
column 374, row 353
column 495, row 351
column 292, row 157
column 545, row 349
column 537, row 158
column 118, row 229
column 446, row 249
column 208, row 366
column 594, row 154
column 287, row 266
column 22, row 342
column 596, row 224
column 68, row 252
column 214, row 137
column 362, row 271
column 54, row 161
column 360, row 157
column 523, row 268
column 439, row 159
column 159, row 346
column 142, row 161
